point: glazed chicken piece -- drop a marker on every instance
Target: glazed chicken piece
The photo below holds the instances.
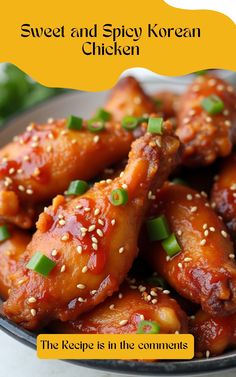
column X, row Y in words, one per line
column 10, row 251
column 92, row 241
column 204, row 270
column 128, row 98
column 207, row 134
column 41, row 162
column 167, row 103
column 223, row 195
column 123, row 312
column 213, row 335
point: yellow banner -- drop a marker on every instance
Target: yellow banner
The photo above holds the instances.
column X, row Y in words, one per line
column 113, row 346
column 76, row 45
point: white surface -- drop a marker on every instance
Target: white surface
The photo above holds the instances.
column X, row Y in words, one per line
column 17, row 360
column 228, row 7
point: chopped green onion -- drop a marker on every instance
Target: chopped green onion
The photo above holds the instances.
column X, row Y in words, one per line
column 179, row 181
column 148, row 327
column 201, row 73
column 158, row 228
column 96, row 125
column 74, row 123
column 155, row 125
column 102, row 114
column 4, row 233
column 171, row 246
column 129, row 122
column 157, row 281
column 77, row 188
column 213, row 104
column 119, row 197
column 41, row 263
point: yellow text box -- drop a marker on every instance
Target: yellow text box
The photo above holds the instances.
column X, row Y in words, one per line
column 114, row 346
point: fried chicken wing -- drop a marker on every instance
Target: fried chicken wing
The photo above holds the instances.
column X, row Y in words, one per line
column 10, row 251
column 128, row 98
column 41, row 162
column 213, row 335
column 204, row 270
column 223, row 195
column 122, row 313
column 207, row 134
column 92, row 241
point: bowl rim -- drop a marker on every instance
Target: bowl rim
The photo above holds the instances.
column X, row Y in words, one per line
column 170, row 368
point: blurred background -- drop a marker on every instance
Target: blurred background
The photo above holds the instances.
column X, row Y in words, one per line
column 18, row 91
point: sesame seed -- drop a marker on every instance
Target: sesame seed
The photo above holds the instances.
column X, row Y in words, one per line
column 204, row 194
column 49, row 148
column 31, row 300
column 207, row 205
column 96, row 139
column 141, row 288
column 34, row 144
column 123, row 322
column 179, row 232
column 29, row 191
column 50, row 120
column 121, row 174
column 87, row 209
column 79, row 249
column 79, row 206
column 187, row 259
column 111, row 307
column 228, row 123
column 193, row 209
column 96, row 211
column 73, row 141
column 220, row 87
column 84, row 269
column 81, row 286
column 94, row 239
column 192, row 317
column 154, row 301
column 99, row 232
column 212, row 229
column 141, row 317
column 206, row 232
column 230, row 89
column 61, row 222
column 167, row 258
column 166, row 291
column 63, row 268
column 133, row 286
column 26, row 158
column 113, row 221
column 231, row 256
column 120, row 296
column 21, row 188
column 203, row 242
column 176, row 332
column 233, row 186
column 186, row 120
column 205, row 226
column 33, row 312
column 35, row 138
column 91, row 228
column 148, row 298
column 60, row 216
column 153, row 293
column 212, row 82
column 124, row 186
column 121, row 250
column 65, row 237
column 83, row 230
column 50, row 135
column 180, row 265
column 100, row 221
column 94, row 246
column 189, row 197
column 234, row 194
column 207, row 354
column 223, row 233
column 54, row 252
column 93, row 292
column 11, row 171
column 81, row 299
column 19, row 171
column 208, row 119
